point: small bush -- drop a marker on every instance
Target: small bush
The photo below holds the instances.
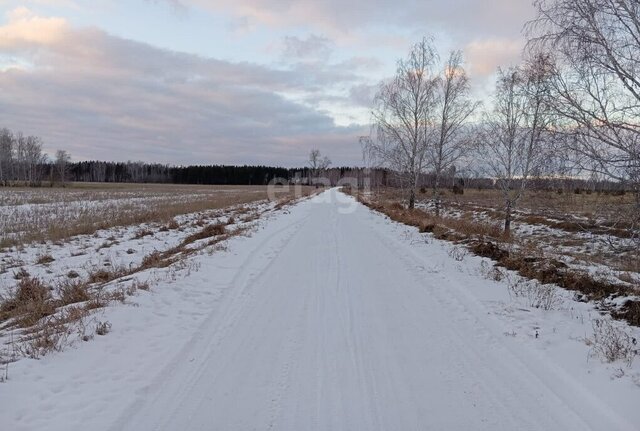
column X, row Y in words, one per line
column 22, row 273
column 490, row 250
column 537, row 295
column 100, row 276
column 71, row 292
column 611, row 343
column 207, row 232
column 141, row 285
column 457, row 253
column 173, row 224
column 630, row 311
column 29, row 302
column 153, row 260
column 44, row 259
column 141, row 233
column 103, row 328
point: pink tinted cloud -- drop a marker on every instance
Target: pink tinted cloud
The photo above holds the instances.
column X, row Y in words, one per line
column 104, row 97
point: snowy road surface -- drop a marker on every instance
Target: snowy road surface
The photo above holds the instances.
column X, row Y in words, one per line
column 341, row 332
column 329, row 323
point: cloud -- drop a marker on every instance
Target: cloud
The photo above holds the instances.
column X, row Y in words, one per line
column 363, row 94
column 337, row 17
column 23, row 28
column 489, row 32
column 103, row 97
column 312, row 48
column 485, row 55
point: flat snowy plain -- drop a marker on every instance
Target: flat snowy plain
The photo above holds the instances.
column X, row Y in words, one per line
column 329, row 317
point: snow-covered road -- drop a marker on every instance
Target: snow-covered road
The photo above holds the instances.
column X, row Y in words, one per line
column 344, row 330
column 326, row 318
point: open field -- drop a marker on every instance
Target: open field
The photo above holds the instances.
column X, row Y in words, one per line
column 41, row 214
column 325, row 315
column 592, row 229
column 581, row 242
column 50, row 288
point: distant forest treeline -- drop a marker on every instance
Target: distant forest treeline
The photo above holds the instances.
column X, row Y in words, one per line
column 22, row 162
column 138, row 172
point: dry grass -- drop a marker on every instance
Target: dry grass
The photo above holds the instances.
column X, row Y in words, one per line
column 206, row 232
column 141, row 233
column 550, row 203
column 441, row 227
column 82, row 209
column 611, row 343
column 523, row 256
column 45, row 317
column 71, row 292
column 29, row 302
column 44, row 259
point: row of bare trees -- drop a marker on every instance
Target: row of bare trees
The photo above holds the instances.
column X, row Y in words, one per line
column 419, row 118
column 572, row 105
column 22, row 161
column 594, row 87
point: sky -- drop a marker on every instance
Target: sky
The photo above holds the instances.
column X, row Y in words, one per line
column 227, row 81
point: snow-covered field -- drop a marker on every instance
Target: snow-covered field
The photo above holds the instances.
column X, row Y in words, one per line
column 604, row 255
column 28, row 215
column 327, row 316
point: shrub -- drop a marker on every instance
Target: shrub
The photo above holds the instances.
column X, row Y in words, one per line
column 630, row 311
column 612, row 343
column 28, row 303
column 141, row 233
column 22, row 273
column 457, row 253
column 537, row 295
column 71, row 292
column 207, row 232
column 100, row 276
column 73, row 274
column 43, row 259
column 103, row 328
column 173, row 224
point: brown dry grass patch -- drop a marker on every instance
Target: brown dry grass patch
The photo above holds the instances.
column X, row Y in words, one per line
column 29, row 302
column 59, row 223
column 486, row 240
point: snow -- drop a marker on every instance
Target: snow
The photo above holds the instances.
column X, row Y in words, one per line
column 328, row 316
column 112, row 247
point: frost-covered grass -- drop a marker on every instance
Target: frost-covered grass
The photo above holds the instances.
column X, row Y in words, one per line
column 596, row 264
column 585, row 230
column 49, row 290
column 319, row 305
column 28, row 215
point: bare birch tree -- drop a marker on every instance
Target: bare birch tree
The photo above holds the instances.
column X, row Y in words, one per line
column 317, row 164
column 403, row 118
column 512, row 142
column 62, row 166
column 454, row 108
column 34, row 159
column 597, row 82
column 6, row 156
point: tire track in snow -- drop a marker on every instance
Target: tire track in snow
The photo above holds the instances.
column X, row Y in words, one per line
column 210, row 333
column 585, row 409
column 342, row 330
